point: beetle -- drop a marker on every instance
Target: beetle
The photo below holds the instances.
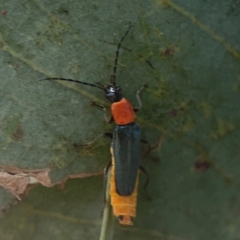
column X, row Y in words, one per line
column 125, row 145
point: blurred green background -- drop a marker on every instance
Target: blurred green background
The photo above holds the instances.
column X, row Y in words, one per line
column 192, row 100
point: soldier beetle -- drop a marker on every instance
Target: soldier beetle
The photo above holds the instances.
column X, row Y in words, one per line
column 125, row 146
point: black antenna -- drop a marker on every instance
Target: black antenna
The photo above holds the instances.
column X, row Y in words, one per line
column 76, row 81
column 100, row 84
column 113, row 75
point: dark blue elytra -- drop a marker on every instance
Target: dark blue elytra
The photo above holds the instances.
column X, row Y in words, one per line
column 126, row 151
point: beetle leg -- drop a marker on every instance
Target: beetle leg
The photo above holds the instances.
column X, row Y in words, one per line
column 139, row 99
column 109, row 135
column 149, row 147
column 108, row 119
column 145, row 172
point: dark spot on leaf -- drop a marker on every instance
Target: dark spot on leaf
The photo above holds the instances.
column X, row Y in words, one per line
column 4, row 13
column 76, row 147
column 63, row 11
column 17, row 133
column 201, row 165
column 174, row 113
column 169, row 50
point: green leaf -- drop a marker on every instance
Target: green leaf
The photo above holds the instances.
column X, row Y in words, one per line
column 192, row 100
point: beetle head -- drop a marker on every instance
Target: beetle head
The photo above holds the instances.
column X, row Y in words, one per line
column 113, row 93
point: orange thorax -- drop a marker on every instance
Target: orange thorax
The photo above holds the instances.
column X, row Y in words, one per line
column 122, row 112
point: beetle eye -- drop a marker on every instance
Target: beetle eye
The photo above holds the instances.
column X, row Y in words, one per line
column 112, row 89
